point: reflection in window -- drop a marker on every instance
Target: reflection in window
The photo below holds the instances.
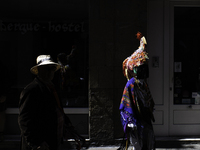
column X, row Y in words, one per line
column 21, row 41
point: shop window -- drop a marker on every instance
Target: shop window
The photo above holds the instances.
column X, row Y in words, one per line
column 186, row 55
column 22, row 40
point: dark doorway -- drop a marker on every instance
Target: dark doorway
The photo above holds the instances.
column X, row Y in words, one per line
column 186, row 54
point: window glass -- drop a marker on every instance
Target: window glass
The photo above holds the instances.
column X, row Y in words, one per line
column 186, row 55
column 22, row 40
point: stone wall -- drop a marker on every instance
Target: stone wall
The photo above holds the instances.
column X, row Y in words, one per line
column 112, row 28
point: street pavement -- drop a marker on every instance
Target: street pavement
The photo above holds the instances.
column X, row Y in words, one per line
column 162, row 143
column 183, row 147
column 166, row 146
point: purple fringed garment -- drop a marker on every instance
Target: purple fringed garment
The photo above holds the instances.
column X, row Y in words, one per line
column 127, row 105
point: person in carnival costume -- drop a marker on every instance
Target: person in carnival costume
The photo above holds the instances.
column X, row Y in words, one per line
column 137, row 105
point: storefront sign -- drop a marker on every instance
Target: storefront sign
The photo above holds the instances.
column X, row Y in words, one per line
column 49, row 26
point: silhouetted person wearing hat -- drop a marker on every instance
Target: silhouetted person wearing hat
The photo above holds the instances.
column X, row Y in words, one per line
column 41, row 117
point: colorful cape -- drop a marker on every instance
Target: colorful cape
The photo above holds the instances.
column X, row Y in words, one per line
column 128, row 106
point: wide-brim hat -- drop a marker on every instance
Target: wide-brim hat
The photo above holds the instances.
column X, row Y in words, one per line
column 44, row 60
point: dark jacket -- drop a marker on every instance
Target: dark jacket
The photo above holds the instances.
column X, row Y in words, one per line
column 37, row 116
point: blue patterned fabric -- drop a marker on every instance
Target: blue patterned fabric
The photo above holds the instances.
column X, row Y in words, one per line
column 129, row 109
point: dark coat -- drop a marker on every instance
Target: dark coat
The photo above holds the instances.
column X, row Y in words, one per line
column 37, row 116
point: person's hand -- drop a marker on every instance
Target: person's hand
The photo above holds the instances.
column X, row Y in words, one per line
column 43, row 146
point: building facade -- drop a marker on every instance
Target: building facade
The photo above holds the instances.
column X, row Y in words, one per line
column 174, row 68
column 104, row 33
